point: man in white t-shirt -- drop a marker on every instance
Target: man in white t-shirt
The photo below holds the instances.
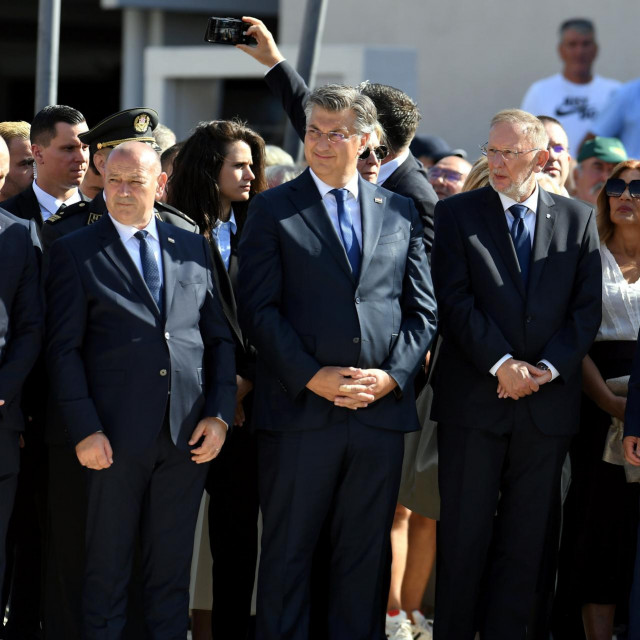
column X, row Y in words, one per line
column 575, row 96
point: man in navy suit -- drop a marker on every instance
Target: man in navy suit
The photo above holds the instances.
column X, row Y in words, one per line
column 335, row 293
column 144, row 375
column 21, row 328
column 518, row 282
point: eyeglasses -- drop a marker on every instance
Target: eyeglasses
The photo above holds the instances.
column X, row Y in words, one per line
column 508, row 155
column 556, row 148
column 381, row 153
column 615, row 187
column 435, row 173
column 332, row 136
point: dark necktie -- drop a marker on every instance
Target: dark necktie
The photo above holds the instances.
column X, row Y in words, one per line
column 349, row 238
column 150, row 271
column 521, row 239
column 61, row 208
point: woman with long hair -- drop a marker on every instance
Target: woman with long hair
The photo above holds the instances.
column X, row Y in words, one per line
column 217, row 171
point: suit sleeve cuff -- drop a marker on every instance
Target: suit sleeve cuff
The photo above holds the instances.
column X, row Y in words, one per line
column 554, row 372
column 270, row 69
column 498, row 364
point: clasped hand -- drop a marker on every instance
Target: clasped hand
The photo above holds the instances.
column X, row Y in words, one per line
column 517, row 379
column 351, row 387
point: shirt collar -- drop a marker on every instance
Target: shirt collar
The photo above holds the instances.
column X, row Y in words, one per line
column 231, row 222
column 531, row 202
column 51, row 204
column 388, row 168
column 324, row 188
column 126, row 232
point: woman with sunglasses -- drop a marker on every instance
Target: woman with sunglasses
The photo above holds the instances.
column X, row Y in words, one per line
column 371, row 158
column 216, row 173
column 601, row 510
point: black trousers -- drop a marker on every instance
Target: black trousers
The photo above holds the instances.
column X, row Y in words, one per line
column 232, row 484
column 9, row 467
column 497, row 492
column 345, row 476
column 155, row 494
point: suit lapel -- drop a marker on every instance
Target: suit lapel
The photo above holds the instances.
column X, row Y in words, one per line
column 117, row 253
column 306, row 198
column 372, row 205
column 545, row 224
column 169, row 263
column 496, row 222
column 32, row 207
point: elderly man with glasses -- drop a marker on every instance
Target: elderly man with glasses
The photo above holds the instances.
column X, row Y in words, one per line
column 517, row 278
column 447, row 176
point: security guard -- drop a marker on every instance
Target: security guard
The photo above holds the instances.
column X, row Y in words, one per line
column 131, row 124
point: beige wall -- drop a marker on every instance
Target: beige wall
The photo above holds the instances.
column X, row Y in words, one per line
column 475, row 57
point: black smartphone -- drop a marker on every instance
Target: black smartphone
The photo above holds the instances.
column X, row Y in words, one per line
column 227, row 31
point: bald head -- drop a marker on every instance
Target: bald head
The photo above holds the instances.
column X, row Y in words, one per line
column 133, row 181
column 4, row 162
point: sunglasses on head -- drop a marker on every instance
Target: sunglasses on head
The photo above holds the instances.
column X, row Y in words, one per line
column 615, row 187
column 381, row 152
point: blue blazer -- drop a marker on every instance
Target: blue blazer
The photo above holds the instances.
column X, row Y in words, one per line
column 303, row 309
column 21, row 316
column 116, row 363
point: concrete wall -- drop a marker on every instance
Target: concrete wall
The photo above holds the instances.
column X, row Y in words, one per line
column 473, row 58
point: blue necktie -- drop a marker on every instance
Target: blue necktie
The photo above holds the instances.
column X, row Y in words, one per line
column 521, row 239
column 150, row 271
column 349, row 238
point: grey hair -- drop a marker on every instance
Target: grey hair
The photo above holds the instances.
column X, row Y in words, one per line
column 581, row 25
column 339, row 97
column 531, row 126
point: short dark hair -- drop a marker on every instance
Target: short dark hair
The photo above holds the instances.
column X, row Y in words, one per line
column 397, row 113
column 193, row 186
column 43, row 127
column 168, row 155
column 550, row 119
column 581, row 25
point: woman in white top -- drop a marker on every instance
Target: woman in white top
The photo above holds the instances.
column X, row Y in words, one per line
column 601, row 511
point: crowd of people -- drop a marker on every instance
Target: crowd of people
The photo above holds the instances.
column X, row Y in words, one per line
column 214, row 359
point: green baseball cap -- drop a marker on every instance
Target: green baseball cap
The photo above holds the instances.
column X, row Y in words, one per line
column 605, row 149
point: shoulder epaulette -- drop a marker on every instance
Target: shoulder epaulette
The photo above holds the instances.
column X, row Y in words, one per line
column 169, row 209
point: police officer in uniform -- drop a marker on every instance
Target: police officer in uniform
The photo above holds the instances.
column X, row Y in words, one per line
column 131, row 124
column 66, row 512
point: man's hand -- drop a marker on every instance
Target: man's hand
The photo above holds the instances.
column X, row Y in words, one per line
column 244, row 386
column 214, row 432
column 266, row 52
column 94, row 452
column 328, row 381
column 369, row 381
column 630, row 444
column 517, row 379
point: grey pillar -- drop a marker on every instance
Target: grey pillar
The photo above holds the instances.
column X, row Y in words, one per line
column 312, row 30
column 48, row 52
column 133, row 44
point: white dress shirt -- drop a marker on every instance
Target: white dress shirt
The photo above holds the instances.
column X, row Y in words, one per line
column 50, row 205
column 132, row 244
column 351, row 203
column 388, row 168
column 530, row 221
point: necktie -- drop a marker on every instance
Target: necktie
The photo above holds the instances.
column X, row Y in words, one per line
column 521, row 239
column 349, row 239
column 150, row 271
column 61, row 208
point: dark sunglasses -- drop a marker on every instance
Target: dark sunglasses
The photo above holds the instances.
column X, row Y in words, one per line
column 615, row 187
column 381, row 153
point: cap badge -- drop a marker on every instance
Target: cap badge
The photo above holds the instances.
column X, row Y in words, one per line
column 141, row 123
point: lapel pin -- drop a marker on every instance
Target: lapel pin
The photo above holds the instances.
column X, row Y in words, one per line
column 171, row 240
column 548, row 215
column 378, row 200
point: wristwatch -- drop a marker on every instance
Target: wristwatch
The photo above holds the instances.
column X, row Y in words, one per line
column 543, row 366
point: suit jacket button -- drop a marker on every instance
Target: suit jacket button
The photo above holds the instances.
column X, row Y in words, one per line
column 356, row 340
column 357, row 300
column 167, row 335
column 163, row 372
column 528, row 319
